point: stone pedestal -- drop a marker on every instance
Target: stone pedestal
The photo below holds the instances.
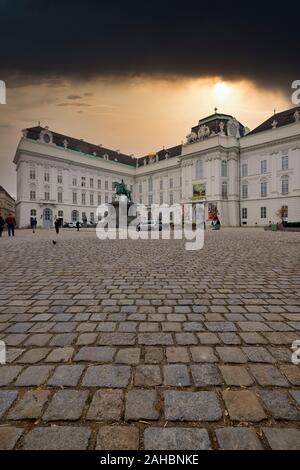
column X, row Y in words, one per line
column 120, row 212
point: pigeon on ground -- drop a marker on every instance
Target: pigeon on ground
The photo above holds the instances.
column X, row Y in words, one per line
column 54, row 242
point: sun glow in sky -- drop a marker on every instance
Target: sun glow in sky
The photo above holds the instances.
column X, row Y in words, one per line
column 138, row 115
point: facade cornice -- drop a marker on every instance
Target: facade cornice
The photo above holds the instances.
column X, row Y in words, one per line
column 274, row 143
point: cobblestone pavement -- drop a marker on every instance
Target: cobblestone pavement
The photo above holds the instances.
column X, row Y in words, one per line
column 140, row 344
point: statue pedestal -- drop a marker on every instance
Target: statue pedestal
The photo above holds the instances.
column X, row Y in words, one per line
column 120, row 213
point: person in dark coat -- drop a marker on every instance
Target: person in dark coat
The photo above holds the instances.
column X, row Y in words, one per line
column 57, row 225
column 11, row 223
column 78, row 225
column 33, row 224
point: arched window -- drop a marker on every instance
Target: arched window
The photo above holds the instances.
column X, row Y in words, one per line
column 284, row 185
column 224, row 190
column 199, row 169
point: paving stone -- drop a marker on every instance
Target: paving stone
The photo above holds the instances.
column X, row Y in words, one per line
column 283, row 438
column 32, row 356
column 231, row 354
column 176, row 375
column 118, row 438
column 152, row 339
column 66, row 376
column 7, row 397
column 9, row 436
column 292, row 373
column 186, row 338
column 236, row 375
column 141, row 404
column 229, row 338
column 208, row 338
column 128, row 356
column 33, row 376
column 66, row 405
column 279, row 404
column 192, row 406
column 258, row 354
column 95, row 354
column 296, row 395
column 60, row 355
column 238, row 439
column 253, row 338
column 57, row 438
column 176, row 439
column 243, row 405
column 267, row 375
column 12, row 354
column 177, row 354
column 203, row 354
column 121, row 339
column 154, row 354
column 107, row 376
column 205, row 375
column 86, row 339
column 220, row 326
column 30, row 406
column 106, row 406
column 8, row 374
column 147, row 376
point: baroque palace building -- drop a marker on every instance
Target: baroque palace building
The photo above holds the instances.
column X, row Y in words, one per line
column 247, row 177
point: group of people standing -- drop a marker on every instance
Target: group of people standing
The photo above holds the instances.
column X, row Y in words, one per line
column 10, row 221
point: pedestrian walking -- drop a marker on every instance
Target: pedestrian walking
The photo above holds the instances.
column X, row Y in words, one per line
column 77, row 225
column 33, row 223
column 11, row 223
column 2, row 223
column 57, row 225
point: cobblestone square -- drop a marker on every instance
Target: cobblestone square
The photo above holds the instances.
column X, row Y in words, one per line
column 124, row 344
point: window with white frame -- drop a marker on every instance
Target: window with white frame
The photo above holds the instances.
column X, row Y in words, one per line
column 161, row 198
column 171, row 182
column 99, row 184
column 106, row 198
column 106, row 185
column 284, row 212
column 141, row 199
column 83, row 181
column 91, row 182
column 150, row 184
column 150, row 199
column 60, row 214
column 59, row 196
column 245, row 169
column 92, row 216
column 284, row 185
column 74, row 181
column 47, row 196
column 284, row 162
column 47, row 176
column 33, row 213
column 59, row 178
column 244, row 213
column 171, row 198
column 263, row 166
column 32, row 174
column 224, row 190
column 74, row 198
column 99, row 200
column 199, row 169
column 263, row 188
column 32, row 195
column 263, row 212
column 244, row 190
column 224, row 168
column 91, row 199
column 140, row 188
column 83, row 199
column 161, row 184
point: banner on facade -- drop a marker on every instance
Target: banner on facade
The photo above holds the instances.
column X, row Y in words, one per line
column 199, row 191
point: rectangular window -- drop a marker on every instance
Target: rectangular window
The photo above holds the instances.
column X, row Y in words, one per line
column 59, row 196
column 47, row 177
column 161, row 198
column 285, row 185
column 150, row 184
column 171, row 199
column 106, row 185
column 244, row 190
column 140, row 188
column 224, row 168
column 99, row 184
column 199, row 169
column 60, row 214
column 263, row 166
column 141, row 199
column 224, row 190
column 263, row 189
column 245, row 169
column 91, row 199
column 244, row 213
column 83, row 199
column 263, row 212
column 83, row 181
column 150, row 199
column 284, row 211
column 92, row 217
column 32, row 195
column 284, row 162
column 106, row 198
column 161, row 184
column 171, row 182
column 47, row 196
column 32, row 174
column 74, row 182
column 91, row 183
column 99, row 200
column 74, row 198
column 59, row 179
column 84, row 219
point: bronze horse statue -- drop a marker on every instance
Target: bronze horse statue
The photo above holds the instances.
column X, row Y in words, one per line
column 121, row 189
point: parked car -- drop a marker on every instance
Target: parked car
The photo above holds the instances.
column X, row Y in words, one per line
column 71, row 225
column 150, row 224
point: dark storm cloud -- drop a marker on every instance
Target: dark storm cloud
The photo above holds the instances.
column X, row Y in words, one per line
column 88, row 39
